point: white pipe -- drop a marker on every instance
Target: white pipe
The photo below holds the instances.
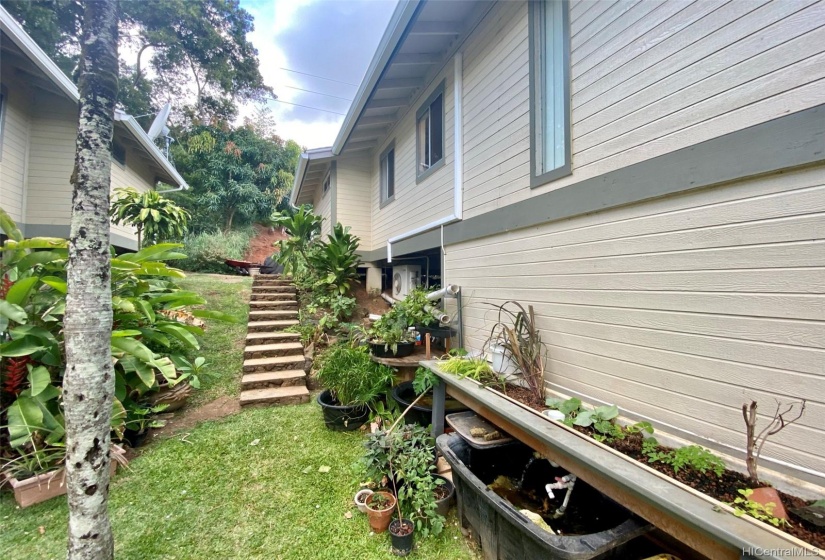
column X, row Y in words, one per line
column 458, row 162
column 388, row 299
column 450, row 290
column 373, row 317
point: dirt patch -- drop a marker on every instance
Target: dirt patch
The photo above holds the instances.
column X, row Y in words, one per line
column 262, row 244
column 367, row 304
column 189, row 418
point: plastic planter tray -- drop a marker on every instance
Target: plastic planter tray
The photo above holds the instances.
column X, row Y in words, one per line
column 506, row 534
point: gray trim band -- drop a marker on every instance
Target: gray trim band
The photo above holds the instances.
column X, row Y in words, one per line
column 51, row 230
column 785, row 142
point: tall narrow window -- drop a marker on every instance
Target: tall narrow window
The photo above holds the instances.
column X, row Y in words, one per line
column 3, row 103
column 327, row 181
column 430, row 134
column 388, row 175
column 119, row 153
column 550, row 90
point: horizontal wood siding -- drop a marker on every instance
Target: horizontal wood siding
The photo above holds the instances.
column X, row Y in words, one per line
column 321, row 202
column 679, row 309
column 15, row 142
column 137, row 174
column 648, row 78
column 415, row 205
column 354, row 191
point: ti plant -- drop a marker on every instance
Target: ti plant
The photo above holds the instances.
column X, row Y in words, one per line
column 516, row 332
column 781, row 419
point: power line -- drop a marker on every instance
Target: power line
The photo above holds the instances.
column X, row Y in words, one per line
column 308, row 107
column 319, row 93
column 321, row 77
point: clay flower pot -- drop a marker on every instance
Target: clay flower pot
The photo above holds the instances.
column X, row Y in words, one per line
column 380, row 518
column 360, row 499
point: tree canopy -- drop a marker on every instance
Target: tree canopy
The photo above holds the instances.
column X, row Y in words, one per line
column 182, row 47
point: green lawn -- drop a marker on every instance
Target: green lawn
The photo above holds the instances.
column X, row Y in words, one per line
column 222, row 343
column 210, row 493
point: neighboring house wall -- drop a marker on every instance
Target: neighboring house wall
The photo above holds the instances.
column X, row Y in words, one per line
column 353, row 189
column 415, row 204
column 679, row 309
column 14, row 142
column 647, row 78
column 137, row 174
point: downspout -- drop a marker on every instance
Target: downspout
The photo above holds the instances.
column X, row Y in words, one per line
column 458, row 162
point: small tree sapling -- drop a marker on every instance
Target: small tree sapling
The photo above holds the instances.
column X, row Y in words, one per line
column 777, row 424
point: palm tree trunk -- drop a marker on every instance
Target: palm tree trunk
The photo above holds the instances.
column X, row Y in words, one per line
column 89, row 383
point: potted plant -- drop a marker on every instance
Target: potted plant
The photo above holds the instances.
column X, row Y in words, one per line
column 352, row 382
column 401, row 536
column 389, row 337
column 379, row 510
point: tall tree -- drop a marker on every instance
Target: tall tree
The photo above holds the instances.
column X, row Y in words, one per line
column 198, row 47
column 89, row 381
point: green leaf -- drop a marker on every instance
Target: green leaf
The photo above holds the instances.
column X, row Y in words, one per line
column 19, row 291
column 584, row 418
column 134, row 347
column 570, row 405
column 21, row 347
column 166, row 367
column 121, row 264
column 12, row 311
column 40, row 257
column 607, row 412
column 56, row 283
column 146, row 309
column 38, row 243
column 125, row 332
column 39, row 379
column 180, row 333
column 218, row 315
column 25, row 418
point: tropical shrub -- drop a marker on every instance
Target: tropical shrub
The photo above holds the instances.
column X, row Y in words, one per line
column 155, row 217
column 303, row 228
column 351, row 376
column 207, row 251
column 335, row 262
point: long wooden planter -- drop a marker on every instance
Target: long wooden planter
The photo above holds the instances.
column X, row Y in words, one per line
column 701, row 522
column 46, row 486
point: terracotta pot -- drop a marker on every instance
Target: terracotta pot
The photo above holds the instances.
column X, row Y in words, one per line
column 769, row 495
column 46, row 486
column 380, row 519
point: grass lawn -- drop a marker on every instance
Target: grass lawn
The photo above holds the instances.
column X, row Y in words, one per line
column 247, row 486
column 222, row 344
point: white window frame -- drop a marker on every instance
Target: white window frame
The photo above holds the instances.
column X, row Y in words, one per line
column 387, row 174
column 424, row 169
column 550, row 131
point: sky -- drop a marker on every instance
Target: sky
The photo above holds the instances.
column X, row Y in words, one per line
column 333, row 39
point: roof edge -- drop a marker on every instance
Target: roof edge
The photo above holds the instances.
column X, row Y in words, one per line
column 303, row 164
column 397, row 26
column 147, row 144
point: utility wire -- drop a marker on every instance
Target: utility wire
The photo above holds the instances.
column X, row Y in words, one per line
column 308, row 107
column 319, row 93
column 316, row 76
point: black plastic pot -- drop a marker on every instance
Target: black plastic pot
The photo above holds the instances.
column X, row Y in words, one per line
column 135, row 438
column 381, row 350
column 443, row 505
column 342, row 418
column 436, row 331
column 504, row 533
column 422, row 412
column 401, row 544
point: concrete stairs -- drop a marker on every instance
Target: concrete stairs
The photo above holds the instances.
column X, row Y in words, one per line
column 274, row 368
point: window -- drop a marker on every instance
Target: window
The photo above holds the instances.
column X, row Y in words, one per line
column 118, row 153
column 430, row 134
column 327, row 182
column 549, row 90
column 388, row 175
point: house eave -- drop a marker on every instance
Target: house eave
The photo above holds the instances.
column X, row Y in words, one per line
column 146, row 143
column 317, row 155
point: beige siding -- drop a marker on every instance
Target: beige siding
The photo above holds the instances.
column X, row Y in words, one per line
column 678, row 310
column 415, row 204
column 137, row 174
column 354, row 192
column 15, row 142
column 321, row 202
column 647, row 78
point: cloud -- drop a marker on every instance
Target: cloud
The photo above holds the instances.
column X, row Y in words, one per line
column 333, row 39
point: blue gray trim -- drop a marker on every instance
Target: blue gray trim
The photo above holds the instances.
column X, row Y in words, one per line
column 51, row 230
column 780, row 144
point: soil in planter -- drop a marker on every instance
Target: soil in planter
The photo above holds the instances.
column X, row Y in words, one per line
column 724, row 488
column 441, row 492
column 519, row 478
column 401, row 529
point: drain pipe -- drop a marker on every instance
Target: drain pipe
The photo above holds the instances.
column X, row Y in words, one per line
column 458, row 163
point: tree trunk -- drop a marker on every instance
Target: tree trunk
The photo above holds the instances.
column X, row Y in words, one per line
column 228, row 224
column 89, row 384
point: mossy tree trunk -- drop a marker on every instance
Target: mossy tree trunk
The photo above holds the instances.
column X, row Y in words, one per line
column 89, row 384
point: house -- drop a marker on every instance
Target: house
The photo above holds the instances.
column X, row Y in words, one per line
column 650, row 176
column 38, row 128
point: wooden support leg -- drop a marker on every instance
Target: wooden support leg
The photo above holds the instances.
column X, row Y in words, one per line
column 439, row 396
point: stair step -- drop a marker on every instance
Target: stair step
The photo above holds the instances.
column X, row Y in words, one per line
column 277, row 349
column 270, row 337
column 263, row 380
column 260, row 314
column 274, row 363
column 275, row 296
column 264, row 326
column 275, row 395
column 268, row 288
column 276, row 304
column 271, row 282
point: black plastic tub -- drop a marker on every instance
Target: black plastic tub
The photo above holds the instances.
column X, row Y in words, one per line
column 402, row 349
column 437, row 331
column 422, row 412
column 342, row 418
column 503, row 532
